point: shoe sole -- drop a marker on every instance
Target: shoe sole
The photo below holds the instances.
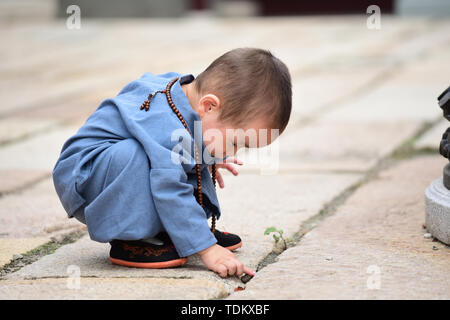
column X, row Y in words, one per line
column 231, row 248
column 161, row 265
column 150, row 265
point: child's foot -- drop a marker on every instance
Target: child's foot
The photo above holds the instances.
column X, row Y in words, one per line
column 141, row 254
column 228, row 240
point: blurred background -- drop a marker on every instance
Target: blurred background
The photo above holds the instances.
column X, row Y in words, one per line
column 49, row 9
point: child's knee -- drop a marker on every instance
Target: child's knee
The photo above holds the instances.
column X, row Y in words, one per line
column 128, row 153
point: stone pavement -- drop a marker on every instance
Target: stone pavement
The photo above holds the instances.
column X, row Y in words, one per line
column 373, row 247
column 348, row 189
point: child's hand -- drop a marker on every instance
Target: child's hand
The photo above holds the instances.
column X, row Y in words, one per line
column 227, row 165
column 223, row 262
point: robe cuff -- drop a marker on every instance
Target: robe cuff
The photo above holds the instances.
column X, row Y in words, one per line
column 203, row 243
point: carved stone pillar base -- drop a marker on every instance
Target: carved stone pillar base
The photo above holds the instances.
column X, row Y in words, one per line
column 437, row 210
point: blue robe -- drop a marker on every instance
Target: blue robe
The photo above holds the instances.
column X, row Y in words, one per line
column 117, row 174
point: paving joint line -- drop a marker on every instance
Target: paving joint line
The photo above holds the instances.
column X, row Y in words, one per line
column 25, row 136
column 31, row 278
column 26, row 186
column 407, row 149
column 35, row 254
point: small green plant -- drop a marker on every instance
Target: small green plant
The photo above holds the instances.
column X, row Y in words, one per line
column 277, row 235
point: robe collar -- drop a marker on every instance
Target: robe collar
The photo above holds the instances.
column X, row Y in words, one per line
column 190, row 116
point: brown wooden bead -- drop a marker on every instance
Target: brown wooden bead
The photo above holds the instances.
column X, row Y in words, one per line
column 198, row 195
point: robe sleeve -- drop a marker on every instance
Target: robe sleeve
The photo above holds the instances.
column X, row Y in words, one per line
column 183, row 218
column 181, row 215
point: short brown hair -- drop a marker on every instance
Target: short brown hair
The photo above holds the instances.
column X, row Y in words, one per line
column 251, row 83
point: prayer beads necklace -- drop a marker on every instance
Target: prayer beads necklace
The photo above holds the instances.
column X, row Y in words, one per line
column 146, row 105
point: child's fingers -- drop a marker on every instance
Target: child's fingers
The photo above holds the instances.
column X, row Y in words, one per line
column 219, row 179
column 234, row 160
column 231, row 267
column 221, row 270
column 239, row 269
column 230, row 168
column 249, row 271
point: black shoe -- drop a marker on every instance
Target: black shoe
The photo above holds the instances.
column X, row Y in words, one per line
column 227, row 240
column 142, row 254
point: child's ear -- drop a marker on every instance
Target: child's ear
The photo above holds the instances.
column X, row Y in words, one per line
column 209, row 103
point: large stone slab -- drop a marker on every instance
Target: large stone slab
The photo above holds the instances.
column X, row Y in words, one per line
column 317, row 92
column 373, row 247
column 34, row 212
column 329, row 146
column 110, row 289
column 15, row 128
column 283, row 201
column 324, row 44
column 25, row 162
column 38, row 152
column 250, row 203
column 14, row 179
column 409, row 94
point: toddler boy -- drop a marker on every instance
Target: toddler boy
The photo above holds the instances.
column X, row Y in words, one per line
column 123, row 175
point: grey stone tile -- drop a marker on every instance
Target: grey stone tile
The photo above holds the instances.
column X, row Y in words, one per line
column 372, row 248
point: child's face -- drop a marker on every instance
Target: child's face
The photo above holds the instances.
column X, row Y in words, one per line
column 223, row 140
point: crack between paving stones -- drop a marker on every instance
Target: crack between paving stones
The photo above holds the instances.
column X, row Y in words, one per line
column 407, row 149
column 39, row 252
column 100, row 277
column 31, row 134
column 27, row 186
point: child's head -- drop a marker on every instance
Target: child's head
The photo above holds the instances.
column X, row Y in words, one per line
column 245, row 88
